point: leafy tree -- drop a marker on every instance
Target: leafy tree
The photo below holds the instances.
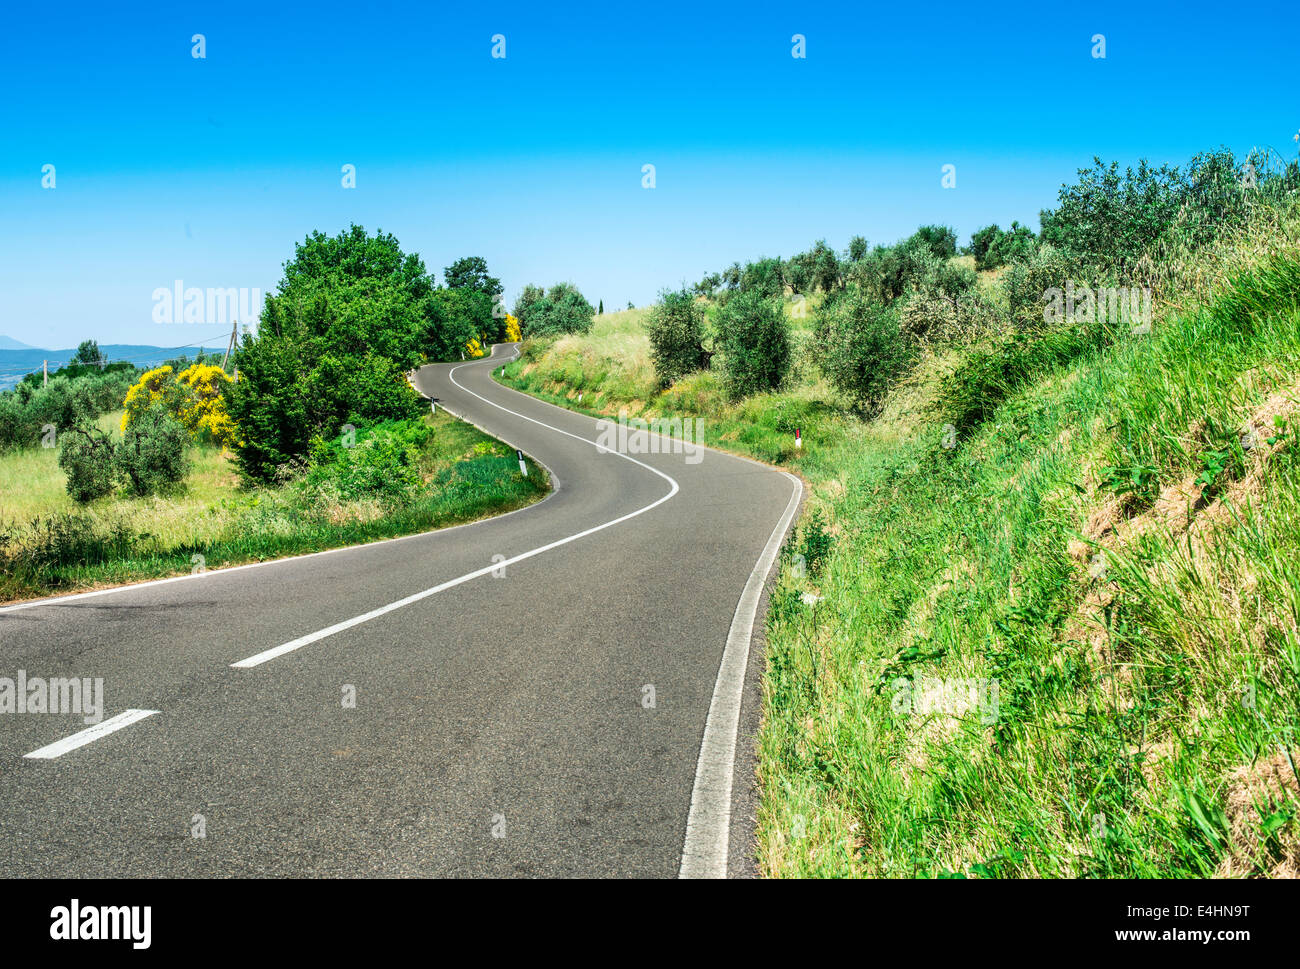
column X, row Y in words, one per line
column 151, row 455
column 88, row 354
column 754, row 340
column 471, row 272
column 861, row 347
column 825, row 266
column 528, row 298
column 939, row 239
column 857, row 248
column 454, row 317
column 352, row 255
column 600, row 310
column 992, row 247
column 87, row 457
column 563, row 310
column 765, row 277
column 352, row 314
column 675, row 326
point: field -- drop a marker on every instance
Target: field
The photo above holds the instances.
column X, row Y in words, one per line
column 49, row 544
column 1062, row 641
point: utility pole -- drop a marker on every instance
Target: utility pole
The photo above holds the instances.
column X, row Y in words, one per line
column 234, row 332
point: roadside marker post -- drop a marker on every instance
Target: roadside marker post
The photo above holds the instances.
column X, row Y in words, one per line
column 798, row 440
column 433, row 407
column 523, row 468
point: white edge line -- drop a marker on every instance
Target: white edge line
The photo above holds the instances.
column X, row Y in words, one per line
column 89, row 735
column 270, row 654
column 708, row 825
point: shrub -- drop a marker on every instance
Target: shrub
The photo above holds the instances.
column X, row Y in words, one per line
column 940, row 240
column 563, row 310
column 992, row 247
column 675, row 326
column 754, row 339
column 861, row 348
column 202, row 409
column 382, row 461
column 151, row 455
column 88, row 458
column 528, row 299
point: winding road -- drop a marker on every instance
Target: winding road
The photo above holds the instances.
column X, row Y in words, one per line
column 566, row 690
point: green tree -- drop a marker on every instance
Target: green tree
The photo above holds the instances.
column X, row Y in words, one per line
column 860, row 347
column 471, row 272
column 88, row 354
column 456, row 316
column 151, row 455
column 753, row 337
column 87, row 457
column 675, row 326
column 563, row 310
column 352, row 313
column 939, row 239
column 528, row 299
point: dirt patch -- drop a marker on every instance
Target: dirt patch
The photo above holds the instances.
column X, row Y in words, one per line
column 1251, row 795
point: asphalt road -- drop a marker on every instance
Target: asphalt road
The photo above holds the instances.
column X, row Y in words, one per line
column 502, row 673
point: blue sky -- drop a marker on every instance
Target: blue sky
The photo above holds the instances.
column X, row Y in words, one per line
column 208, row 170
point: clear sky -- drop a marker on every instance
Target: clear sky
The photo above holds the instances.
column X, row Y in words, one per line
column 208, row 170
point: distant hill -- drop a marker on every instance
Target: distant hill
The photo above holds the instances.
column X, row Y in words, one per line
column 9, row 343
column 21, row 359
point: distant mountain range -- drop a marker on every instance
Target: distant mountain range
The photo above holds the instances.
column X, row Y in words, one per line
column 17, row 358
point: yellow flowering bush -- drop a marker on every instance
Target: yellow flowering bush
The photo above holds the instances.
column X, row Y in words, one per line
column 202, row 409
column 192, row 396
column 155, row 388
column 474, row 348
column 513, row 334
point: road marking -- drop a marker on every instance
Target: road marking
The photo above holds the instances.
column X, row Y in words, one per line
column 708, row 825
column 267, row 655
column 90, row 734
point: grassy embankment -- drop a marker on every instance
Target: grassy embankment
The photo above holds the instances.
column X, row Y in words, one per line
column 1101, row 545
column 49, row 544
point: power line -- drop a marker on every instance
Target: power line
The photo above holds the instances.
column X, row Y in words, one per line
column 130, row 359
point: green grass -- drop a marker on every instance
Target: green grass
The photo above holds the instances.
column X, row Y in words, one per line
column 1146, row 700
column 610, row 369
column 48, row 544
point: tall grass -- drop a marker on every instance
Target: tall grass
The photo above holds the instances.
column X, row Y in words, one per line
column 1146, row 699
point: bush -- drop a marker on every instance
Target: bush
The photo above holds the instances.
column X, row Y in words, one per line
column 675, row 326
column 754, row 339
column 151, row 455
column 563, row 310
column 990, row 374
column 861, row 348
column 87, row 456
column 382, row 461
column 992, row 247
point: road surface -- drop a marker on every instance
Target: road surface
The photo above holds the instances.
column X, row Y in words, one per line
column 553, row 692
